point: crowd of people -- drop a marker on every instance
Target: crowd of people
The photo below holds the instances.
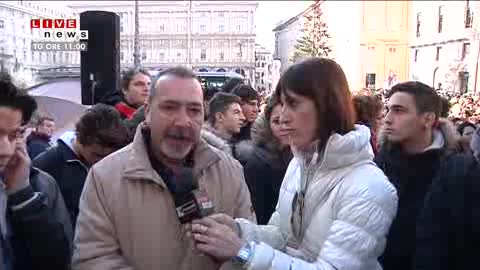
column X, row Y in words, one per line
column 311, row 177
column 465, row 108
column 461, row 107
column 462, row 111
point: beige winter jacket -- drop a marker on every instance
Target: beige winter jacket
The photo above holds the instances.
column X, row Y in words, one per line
column 127, row 216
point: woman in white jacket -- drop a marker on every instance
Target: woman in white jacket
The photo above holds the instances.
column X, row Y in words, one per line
column 335, row 206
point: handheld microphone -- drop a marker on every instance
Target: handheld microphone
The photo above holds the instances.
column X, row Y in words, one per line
column 190, row 202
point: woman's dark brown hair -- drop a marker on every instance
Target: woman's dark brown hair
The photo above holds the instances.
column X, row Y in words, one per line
column 368, row 109
column 323, row 81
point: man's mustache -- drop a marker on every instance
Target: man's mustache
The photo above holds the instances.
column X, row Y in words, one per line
column 181, row 134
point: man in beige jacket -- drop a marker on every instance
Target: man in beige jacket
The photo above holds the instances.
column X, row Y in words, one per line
column 127, row 214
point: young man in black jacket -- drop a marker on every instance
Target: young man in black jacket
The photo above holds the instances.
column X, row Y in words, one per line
column 415, row 147
column 35, row 231
column 250, row 108
column 225, row 120
column 99, row 132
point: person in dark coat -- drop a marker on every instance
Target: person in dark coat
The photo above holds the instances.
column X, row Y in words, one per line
column 475, row 145
column 99, row 132
column 414, row 147
column 42, row 233
column 35, row 229
column 250, row 107
column 267, row 162
column 225, row 120
column 447, row 229
column 135, row 89
column 466, row 130
column 39, row 140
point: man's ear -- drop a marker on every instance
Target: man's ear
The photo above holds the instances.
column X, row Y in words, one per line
column 219, row 117
column 429, row 119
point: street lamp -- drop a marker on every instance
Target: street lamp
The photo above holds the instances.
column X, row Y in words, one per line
column 189, row 5
column 189, row 34
column 136, row 40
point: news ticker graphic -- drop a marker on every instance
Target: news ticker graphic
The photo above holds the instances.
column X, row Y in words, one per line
column 57, row 46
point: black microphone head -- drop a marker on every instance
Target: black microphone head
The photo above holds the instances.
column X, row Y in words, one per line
column 185, row 182
column 185, row 201
column 190, row 202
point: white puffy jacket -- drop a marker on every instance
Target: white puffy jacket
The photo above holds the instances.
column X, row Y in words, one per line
column 349, row 207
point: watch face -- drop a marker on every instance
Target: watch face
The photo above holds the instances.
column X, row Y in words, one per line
column 243, row 255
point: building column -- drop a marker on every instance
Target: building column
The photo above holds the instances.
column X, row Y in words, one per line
column 211, row 24
column 131, row 26
column 210, row 54
column 170, row 23
column 250, row 22
column 250, row 51
column 230, row 58
column 153, row 59
column 169, row 32
column 169, row 54
column 251, row 74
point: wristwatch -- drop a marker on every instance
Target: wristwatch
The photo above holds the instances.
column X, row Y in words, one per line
column 244, row 255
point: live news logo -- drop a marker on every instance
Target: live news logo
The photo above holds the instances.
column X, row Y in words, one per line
column 59, row 29
column 53, row 23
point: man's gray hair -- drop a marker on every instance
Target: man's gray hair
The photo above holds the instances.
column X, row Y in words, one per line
column 177, row 71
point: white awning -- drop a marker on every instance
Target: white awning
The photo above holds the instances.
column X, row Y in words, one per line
column 66, row 113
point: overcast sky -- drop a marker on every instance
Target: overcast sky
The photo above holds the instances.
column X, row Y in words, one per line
column 268, row 14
